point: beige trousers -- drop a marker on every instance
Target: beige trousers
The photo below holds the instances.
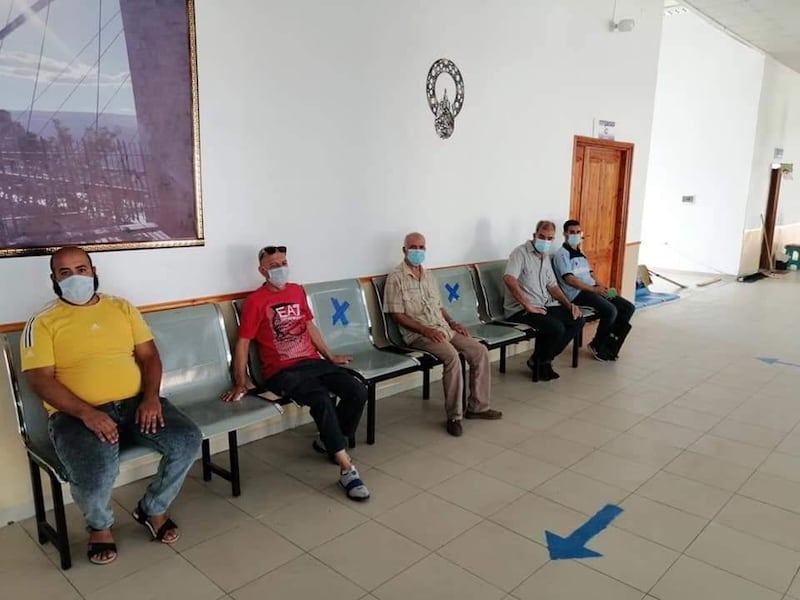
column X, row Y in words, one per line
column 477, row 357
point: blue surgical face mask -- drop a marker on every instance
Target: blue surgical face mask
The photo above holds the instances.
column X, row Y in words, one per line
column 279, row 276
column 77, row 289
column 542, row 246
column 415, row 256
column 574, row 239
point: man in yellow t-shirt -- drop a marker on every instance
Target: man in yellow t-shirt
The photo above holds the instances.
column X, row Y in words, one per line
column 92, row 360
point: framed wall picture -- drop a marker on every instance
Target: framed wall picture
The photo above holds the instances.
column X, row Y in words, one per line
column 99, row 143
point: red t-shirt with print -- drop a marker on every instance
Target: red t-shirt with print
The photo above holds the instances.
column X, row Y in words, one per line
column 277, row 320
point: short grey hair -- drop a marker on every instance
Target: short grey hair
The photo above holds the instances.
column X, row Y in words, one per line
column 544, row 224
column 411, row 235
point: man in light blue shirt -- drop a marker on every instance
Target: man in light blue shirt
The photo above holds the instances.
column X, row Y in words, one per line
column 578, row 282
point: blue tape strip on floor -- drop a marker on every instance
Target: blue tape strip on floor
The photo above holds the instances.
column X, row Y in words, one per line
column 645, row 298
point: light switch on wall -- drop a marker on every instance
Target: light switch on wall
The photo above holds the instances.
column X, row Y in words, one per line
column 687, row 199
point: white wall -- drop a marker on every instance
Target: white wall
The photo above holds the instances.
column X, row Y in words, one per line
column 315, row 133
column 706, row 110
column 778, row 127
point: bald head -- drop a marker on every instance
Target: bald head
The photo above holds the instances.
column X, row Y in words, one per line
column 414, row 239
column 69, row 255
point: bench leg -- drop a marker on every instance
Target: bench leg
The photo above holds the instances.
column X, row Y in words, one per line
column 464, row 383
column 503, row 359
column 577, row 342
column 426, row 384
column 38, row 501
column 206, row 460
column 370, row 413
column 62, row 537
column 233, row 453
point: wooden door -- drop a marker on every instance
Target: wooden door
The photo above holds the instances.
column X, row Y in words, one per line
column 601, row 172
column 767, row 243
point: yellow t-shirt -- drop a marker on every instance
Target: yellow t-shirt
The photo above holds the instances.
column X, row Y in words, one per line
column 91, row 348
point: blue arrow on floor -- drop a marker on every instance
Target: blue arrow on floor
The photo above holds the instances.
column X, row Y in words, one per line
column 574, row 546
column 776, row 361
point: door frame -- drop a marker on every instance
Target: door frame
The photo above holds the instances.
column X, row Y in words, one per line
column 621, row 223
column 770, row 220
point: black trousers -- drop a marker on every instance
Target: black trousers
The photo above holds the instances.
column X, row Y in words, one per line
column 610, row 311
column 311, row 384
column 554, row 330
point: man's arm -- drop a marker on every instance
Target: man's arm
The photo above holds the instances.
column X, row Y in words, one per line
column 45, row 385
column 404, row 320
column 241, row 383
column 556, row 292
column 513, row 286
column 455, row 325
column 148, row 414
column 322, row 347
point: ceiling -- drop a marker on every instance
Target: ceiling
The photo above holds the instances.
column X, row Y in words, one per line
column 771, row 25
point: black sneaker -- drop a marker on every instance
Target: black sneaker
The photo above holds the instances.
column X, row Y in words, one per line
column 547, row 373
column 454, row 427
column 598, row 355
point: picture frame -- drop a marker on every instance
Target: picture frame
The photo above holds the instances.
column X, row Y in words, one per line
column 99, row 126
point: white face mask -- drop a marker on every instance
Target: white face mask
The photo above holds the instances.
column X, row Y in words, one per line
column 77, row 289
column 279, row 276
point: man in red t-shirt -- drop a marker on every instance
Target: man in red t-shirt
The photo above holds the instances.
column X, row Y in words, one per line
column 278, row 318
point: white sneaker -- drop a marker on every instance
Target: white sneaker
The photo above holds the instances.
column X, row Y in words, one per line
column 353, row 486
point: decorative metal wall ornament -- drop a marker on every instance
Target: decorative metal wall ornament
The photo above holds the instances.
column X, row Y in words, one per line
column 445, row 121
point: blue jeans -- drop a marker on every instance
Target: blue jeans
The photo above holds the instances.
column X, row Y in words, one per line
column 93, row 465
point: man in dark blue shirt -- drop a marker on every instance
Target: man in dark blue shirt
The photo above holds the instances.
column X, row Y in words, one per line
column 577, row 279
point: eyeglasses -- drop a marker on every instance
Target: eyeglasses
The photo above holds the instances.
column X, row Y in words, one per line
column 270, row 250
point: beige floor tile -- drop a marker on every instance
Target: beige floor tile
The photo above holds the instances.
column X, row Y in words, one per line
column 435, row 578
column 790, row 444
column 644, row 450
column 735, row 452
column 611, row 418
column 304, row 578
column 370, row 554
column 313, row 520
column 782, row 465
column 614, row 470
column 584, row 432
column 748, row 434
column 579, row 492
column 659, row 523
column 166, row 580
column 686, row 417
column 271, row 490
column 377, row 454
column 421, row 468
column 714, row 399
column 241, row 555
column 762, row 520
column 495, row 554
column 517, row 469
column 554, row 450
column 467, row 450
column 560, row 403
column 534, row 418
column 781, row 415
column 502, row 432
column 567, row 580
column 429, row 520
column 761, row 562
column 531, row 515
column 631, row 559
column 477, row 492
column 386, row 492
column 26, row 572
column 794, row 590
column 415, row 432
column 774, row 490
column 136, row 552
column 202, row 517
column 641, row 398
column 666, row 433
column 690, row 579
column 691, row 496
column 710, row 470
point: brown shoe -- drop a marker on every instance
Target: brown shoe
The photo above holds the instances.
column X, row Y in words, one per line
column 454, row 428
column 490, row 415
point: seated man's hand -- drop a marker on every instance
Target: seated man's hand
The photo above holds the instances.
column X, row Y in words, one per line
column 340, row 359
column 101, row 425
column 601, row 289
column 459, row 328
column 149, row 416
column 576, row 312
column 433, row 334
column 536, row 310
column 236, row 393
